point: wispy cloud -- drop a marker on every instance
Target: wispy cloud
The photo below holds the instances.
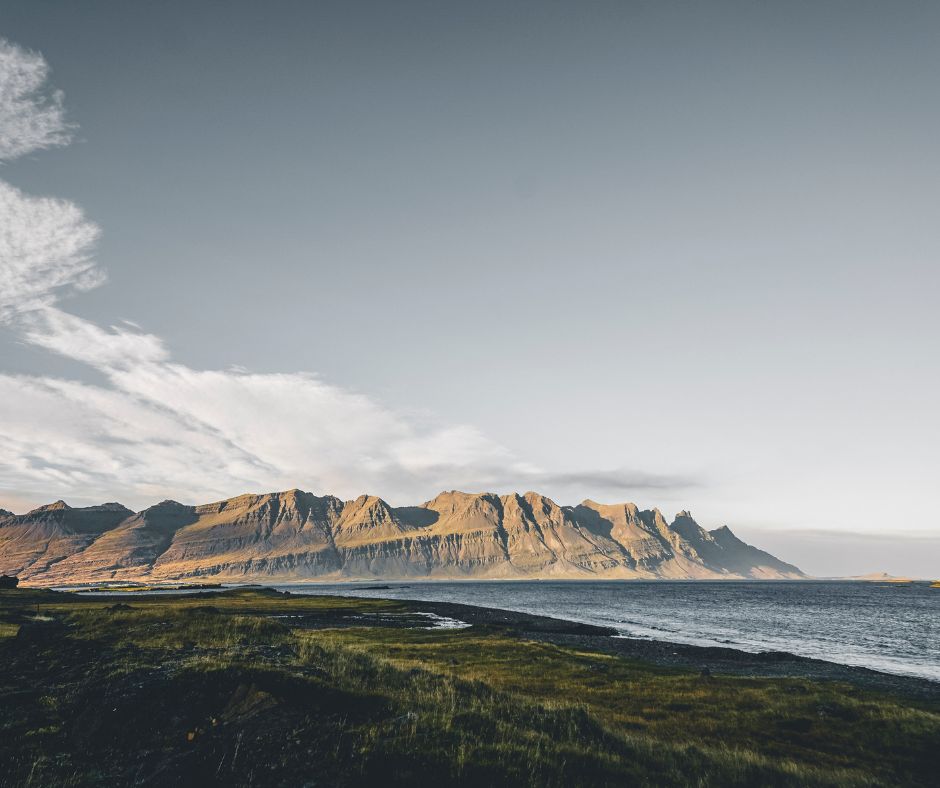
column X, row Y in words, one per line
column 32, row 113
column 46, row 244
column 45, row 251
column 157, row 427
column 108, row 350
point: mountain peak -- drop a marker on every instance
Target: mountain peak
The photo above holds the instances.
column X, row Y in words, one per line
column 590, row 503
column 541, row 503
column 58, row 506
column 369, row 502
column 724, row 534
column 450, row 499
column 112, row 506
column 166, row 505
column 294, row 494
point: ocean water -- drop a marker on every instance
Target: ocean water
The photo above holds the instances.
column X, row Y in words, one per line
column 894, row 628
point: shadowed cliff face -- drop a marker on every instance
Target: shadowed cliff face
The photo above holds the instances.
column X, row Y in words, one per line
column 296, row 535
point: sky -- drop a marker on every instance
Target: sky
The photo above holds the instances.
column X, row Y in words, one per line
column 680, row 254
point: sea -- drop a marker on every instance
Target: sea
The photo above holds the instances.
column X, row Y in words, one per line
column 891, row 627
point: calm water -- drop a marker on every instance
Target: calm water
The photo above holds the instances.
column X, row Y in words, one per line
column 894, row 628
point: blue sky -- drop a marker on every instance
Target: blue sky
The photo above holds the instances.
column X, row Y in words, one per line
column 679, row 254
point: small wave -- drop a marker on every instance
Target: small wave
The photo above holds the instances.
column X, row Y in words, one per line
column 444, row 622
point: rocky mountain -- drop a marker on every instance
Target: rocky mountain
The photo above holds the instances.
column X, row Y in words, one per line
column 32, row 543
column 295, row 535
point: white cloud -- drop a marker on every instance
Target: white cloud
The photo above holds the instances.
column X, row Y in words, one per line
column 162, row 429
column 84, row 341
column 66, row 438
column 45, row 251
column 45, row 244
column 165, row 429
column 32, row 114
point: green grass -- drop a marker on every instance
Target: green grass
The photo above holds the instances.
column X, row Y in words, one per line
column 831, row 726
column 217, row 690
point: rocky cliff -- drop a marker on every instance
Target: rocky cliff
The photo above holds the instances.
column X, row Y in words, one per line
column 295, row 535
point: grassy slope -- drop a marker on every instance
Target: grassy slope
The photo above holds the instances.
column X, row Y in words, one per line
column 214, row 689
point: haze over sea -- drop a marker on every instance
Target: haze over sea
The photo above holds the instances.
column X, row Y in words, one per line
column 890, row 627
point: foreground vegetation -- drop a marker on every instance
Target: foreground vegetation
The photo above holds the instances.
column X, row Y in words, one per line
column 256, row 688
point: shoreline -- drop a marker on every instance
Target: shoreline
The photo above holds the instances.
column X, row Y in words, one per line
column 271, row 582
column 575, row 634
column 579, row 635
column 663, row 653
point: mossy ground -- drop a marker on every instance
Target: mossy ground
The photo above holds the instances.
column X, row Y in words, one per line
column 227, row 689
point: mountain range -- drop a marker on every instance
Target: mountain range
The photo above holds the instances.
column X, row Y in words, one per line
column 296, row 535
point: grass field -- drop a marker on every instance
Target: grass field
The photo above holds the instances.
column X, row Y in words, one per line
column 252, row 687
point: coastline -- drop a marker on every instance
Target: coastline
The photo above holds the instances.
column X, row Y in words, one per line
column 663, row 653
column 269, row 581
column 574, row 634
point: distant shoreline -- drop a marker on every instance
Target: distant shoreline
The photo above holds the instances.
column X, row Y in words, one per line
column 665, row 653
column 186, row 585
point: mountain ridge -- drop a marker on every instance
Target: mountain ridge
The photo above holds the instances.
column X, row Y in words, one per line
column 296, row 535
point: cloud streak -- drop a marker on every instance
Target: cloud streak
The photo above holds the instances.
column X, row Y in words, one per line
column 159, row 428
column 622, row 479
